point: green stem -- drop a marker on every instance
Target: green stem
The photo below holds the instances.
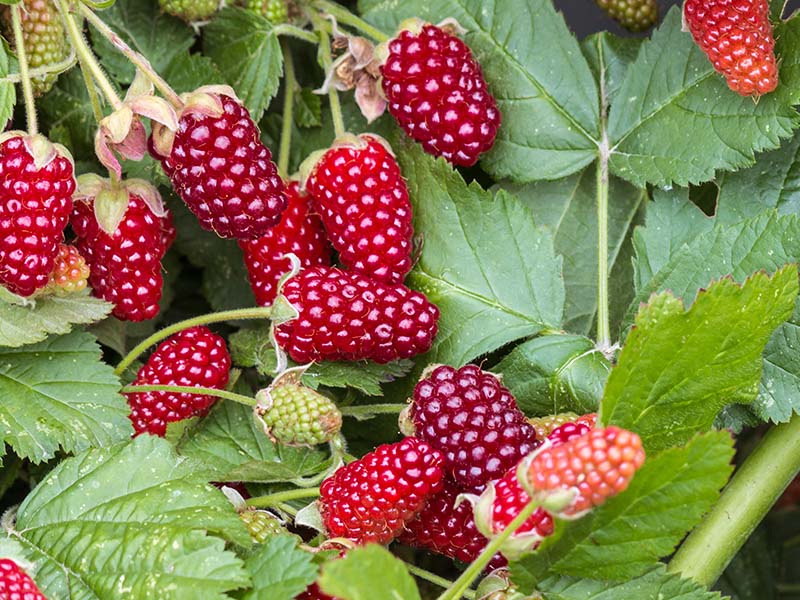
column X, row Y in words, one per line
column 139, row 61
column 86, row 57
column 477, row 566
column 327, row 64
column 368, row 411
column 435, row 579
column 187, row 389
column 94, row 99
column 603, row 321
column 264, row 312
column 54, row 68
column 284, row 29
column 25, row 76
column 288, row 509
column 347, row 18
column 290, row 82
column 281, row 497
column 746, row 500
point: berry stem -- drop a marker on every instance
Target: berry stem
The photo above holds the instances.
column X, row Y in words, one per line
column 59, row 67
column 344, row 16
column 281, row 497
column 368, row 411
column 25, row 76
column 86, row 57
column 603, row 321
column 188, row 389
column 327, row 64
column 290, row 83
column 139, row 61
column 744, row 502
column 435, row 579
column 477, row 566
column 284, row 29
column 265, row 312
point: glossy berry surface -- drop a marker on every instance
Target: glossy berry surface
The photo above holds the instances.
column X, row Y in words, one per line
column 437, row 94
column 633, row 15
column 70, row 272
column 190, row 10
column 371, row 499
column 510, row 499
column 736, row 35
column 224, row 173
column 597, row 465
column 474, row 421
column 16, row 584
column 125, row 266
column 300, row 232
column 363, row 201
column 345, row 315
column 568, row 431
column 195, row 357
column 297, row 415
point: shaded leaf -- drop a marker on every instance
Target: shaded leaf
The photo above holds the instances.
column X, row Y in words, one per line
column 363, row 571
column 280, row 571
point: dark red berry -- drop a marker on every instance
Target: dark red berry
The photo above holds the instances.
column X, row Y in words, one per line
column 473, row 420
column 371, row 499
column 345, row 315
column 567, row 432
column 194, row 357
column 299, row 232
column 220, row 168
column 35, row 202
column 363, row 201
column 16, row 584
column 438, row 95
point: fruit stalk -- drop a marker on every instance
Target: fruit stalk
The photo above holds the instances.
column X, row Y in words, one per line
column 290, row 82
column 281, row 497
column 25, row 77
column 435, row 579
column 746, row 500
column 327, row 65
column 367, row 411
column 187, row 389
column 603, row 321
column 344, row 16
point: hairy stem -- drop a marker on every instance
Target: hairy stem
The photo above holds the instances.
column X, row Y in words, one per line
column 435, row 579
column 286, row 30
column 264, row 312
column 54, row 68
column 344, row 16
column 327, row 64
column 281, row 497
column 187, row 389
column 25, row 76
column 603, row 321
column 367, row 411
column 290, row 83
column 745, row 501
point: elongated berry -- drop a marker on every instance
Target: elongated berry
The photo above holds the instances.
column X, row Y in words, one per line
column 300, row 232
column 371, row 499
column 195, row 357
column 344, row 315
column 363, row 201
column 16, row 584
column 437, row 93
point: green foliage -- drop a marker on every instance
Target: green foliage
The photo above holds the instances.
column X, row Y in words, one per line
column 280, row 571
column 363, row 571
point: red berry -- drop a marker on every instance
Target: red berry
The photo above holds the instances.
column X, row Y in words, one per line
column 473, row 420
column 363, row 201
column 596, row 466
column 70, row 272
column 509, row 500
column 221, row 169
column 438, row 95
column 371, row 499
column 35, row 202
column 299, row 232
column 345, row 315
column 567, row 432
column 194, row 357
column 314, row 593
column 736, row 35
column 125, row 266
column 16, row 584
column 448, row 528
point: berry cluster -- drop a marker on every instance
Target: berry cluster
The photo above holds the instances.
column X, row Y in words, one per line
column 16, row 583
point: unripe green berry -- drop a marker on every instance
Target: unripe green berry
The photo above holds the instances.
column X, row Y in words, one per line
column 275, row 11
column 634, row 15
column 298, row 416
column 190, row 10
column 261, row 524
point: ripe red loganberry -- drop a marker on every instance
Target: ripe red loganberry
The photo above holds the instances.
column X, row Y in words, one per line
column 345, row 315
column 447, row 527
column 126, row 266
column 736, row 35
column 363, row 201
column 314, row 593
column 596, row 466
column 509, row 500
column 567, row 432
column 473, row 420
column 299, row 232
column 371, row 499
column 195, row 357
column 36, row 184
column 220, row 168
column 16, row 584
column 438, row 95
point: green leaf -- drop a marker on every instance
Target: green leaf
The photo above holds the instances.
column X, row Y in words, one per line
column 130, row 522
column 20, row 325
column 228, row 445
column 679, row 368
column 145, row 28
column 535, row 70
column 57, row 394
column 67, row 114
column 568, row 207
column 358, row 575
column 675, row 120
column 787, row 48
column 8, row 94
column 487, row 266
column 609, row 57
column 186, row 72
column 628, row 534
column 248, row 53
column 307, row 108
column 655, row 584
column 555, row 373
column 280, row 571
column 672, row 221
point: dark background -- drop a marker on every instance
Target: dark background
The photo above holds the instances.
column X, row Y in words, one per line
column 585, row 17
